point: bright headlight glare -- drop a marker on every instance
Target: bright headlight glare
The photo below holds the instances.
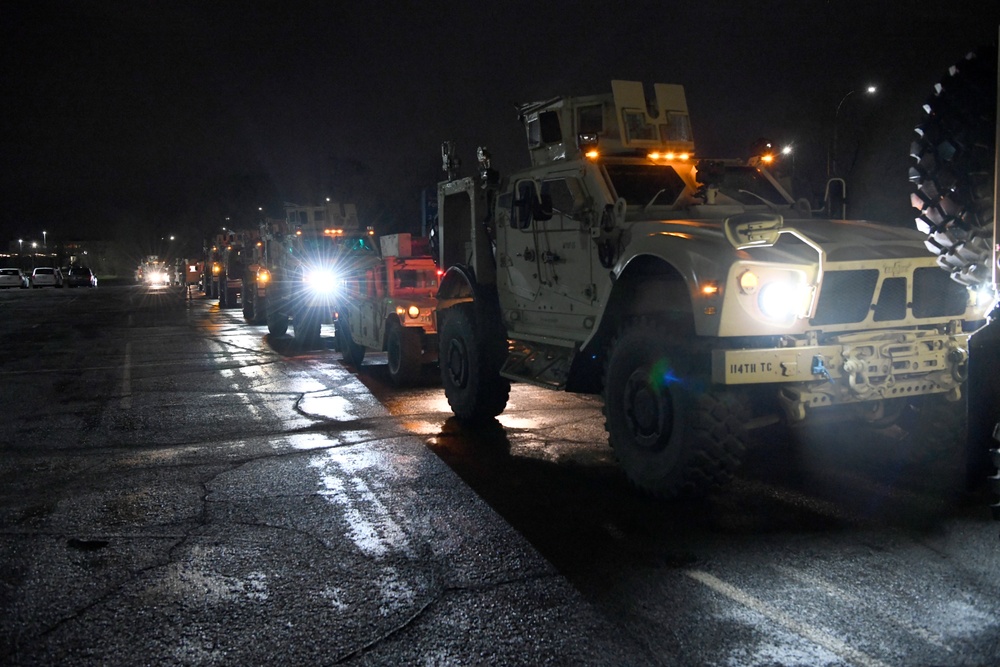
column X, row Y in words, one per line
column 413, row 312
column 984, row 298
column 780, row 300
column 321, row 280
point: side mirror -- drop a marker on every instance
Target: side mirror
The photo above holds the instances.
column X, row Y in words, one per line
column 751, row 230
column 529, row 204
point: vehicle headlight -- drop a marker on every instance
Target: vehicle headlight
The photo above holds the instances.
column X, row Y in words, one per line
column 322, row 281
column 780, row 300
column 777, row 294
column 983, row 299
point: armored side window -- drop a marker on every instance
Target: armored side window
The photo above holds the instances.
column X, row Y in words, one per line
column 677, row 128
column 551, row 132
column 544, row 129
column 636, row 127
column 566, row 194
column 590, row 119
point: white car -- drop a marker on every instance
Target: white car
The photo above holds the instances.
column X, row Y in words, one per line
column 46, row 276
column 13, row 278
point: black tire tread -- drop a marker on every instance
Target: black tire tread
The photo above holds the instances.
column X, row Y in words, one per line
column 713, row 435
column 953, row 173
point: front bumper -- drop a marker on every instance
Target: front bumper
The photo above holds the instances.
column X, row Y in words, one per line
column 851, row 368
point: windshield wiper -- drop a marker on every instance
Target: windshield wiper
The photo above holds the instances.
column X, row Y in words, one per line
column 658, row 193
column 769, row 204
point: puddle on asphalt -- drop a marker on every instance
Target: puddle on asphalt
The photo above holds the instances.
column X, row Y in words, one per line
column 327, row 405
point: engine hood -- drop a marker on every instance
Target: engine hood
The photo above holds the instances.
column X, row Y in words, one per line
column 842, row 240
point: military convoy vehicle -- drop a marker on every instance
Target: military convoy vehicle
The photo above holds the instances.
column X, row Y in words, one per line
column 300, row 268
column 388, row 303
column 695, row 294
column 234, row 253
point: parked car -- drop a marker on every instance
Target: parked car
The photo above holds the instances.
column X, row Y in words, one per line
column 81, row 276
column 13, row 278
column 46, row 276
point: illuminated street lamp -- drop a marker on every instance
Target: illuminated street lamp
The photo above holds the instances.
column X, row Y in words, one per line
column 45, row 243
column 20, row 246
column 831, row 160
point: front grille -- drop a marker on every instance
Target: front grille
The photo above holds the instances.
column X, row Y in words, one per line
column 848, row 296
column 891, row 300
column 935, row 294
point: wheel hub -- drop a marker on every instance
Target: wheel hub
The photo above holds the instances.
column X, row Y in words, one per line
column 648, row 411
column 458, row 365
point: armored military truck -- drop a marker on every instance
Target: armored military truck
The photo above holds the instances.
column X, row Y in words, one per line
column 695, row 294
column 302, row 267
column 388, row 303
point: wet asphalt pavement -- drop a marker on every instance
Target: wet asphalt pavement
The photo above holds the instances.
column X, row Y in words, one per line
column 181, row 488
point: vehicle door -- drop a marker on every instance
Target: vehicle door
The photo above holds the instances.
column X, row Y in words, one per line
column 548, row 258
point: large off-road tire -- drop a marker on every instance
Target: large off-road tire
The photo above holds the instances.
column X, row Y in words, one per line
column 277, row 324
column 954, row 153
column 258, row 308
column 403, row 348
column 306, row 327
column 249, row 291
column 352, row 351
column 470, row 358
column 673, row 435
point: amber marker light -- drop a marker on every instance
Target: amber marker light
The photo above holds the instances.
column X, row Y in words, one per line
column 710, row 288
column 748, row 282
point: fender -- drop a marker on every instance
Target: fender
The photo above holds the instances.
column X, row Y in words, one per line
column 459, row 285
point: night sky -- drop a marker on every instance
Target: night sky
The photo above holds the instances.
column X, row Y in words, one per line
column 139, row 119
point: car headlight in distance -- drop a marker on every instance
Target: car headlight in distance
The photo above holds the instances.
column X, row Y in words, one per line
column 322, row 281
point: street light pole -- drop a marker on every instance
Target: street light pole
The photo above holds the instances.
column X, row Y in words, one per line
column 831, row 159
column 45, row 243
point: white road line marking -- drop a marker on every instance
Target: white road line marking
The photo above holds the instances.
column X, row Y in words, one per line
column 126, row 402
column 833, row 591
column 812, row 634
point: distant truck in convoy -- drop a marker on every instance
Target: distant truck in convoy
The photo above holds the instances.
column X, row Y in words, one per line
column 388, row 303
column 294, row 268
column 696, row 295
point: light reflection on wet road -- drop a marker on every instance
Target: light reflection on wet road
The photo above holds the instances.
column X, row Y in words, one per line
column 252, row 503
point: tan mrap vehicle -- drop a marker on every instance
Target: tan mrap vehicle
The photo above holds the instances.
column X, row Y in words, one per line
column 390, row 305
column 696, row 295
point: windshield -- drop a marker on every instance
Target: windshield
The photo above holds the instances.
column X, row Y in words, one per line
column 741, row 183
column 641, row 184
column 414, row 279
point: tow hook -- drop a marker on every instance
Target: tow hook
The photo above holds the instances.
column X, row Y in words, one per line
column 857, row 378
column 959, row 357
